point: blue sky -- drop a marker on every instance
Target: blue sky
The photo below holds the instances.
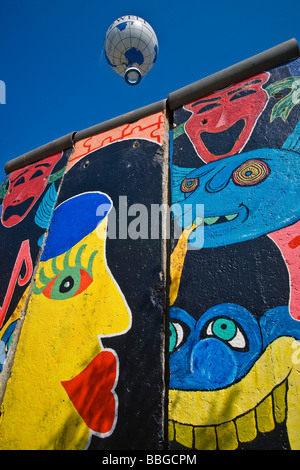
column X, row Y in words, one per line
column 57, row 79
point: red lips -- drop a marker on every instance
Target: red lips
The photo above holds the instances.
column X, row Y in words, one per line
column 92, row 392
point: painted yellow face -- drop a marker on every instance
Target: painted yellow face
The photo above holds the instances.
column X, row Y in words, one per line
column 74, row 300
column 81, row 300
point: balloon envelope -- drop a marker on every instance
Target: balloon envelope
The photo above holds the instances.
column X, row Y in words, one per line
column 131, row 47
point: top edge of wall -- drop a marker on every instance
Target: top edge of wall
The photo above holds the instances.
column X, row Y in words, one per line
column 127, row 118
column 266, row 60
column 69, row 140
column 261, row 62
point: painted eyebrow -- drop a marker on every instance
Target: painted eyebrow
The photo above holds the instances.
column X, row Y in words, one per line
column 12, row 181
column 242, row 87
column 205, row 101
column 42, row 164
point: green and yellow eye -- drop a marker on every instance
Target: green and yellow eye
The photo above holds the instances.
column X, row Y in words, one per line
column 189, row 184
column 68, row 282
column 250, row 173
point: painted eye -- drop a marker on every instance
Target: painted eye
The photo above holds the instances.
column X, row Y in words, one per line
column 242, row 94
column 20, row 181
column 68, row 282
column 228, row 331
column 37, row 174
column 67, row 285
column 189, row 184
column 208, row 107
column 250, row 173
column 178, row 335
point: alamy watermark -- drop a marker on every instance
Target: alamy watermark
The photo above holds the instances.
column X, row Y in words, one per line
column 2, row 92
column 156, row 221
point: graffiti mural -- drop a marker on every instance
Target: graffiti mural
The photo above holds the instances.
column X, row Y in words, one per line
column 74, row 367
column 91, row 280
column 234, row 310
column 72, row 279
column 28, row 198
column 222, row 122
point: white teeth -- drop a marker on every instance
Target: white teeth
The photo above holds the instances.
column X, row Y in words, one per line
column 198, row 220
column 213, row 220
column 209, row 220
column 231, row 216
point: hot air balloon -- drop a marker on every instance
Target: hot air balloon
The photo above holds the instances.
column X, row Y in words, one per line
column 131, row 48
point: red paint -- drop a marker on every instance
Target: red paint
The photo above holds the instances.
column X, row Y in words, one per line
column 288, row 241
column 24, row 256
column 91, row 392
column 25, row 187
column 230, row 112
column 295, row 242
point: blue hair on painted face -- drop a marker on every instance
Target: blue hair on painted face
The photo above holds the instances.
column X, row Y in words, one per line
column 73, row 220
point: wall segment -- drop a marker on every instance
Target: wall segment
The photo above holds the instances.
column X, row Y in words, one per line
column 100, row 278
column 106, row 237
column 234, row 294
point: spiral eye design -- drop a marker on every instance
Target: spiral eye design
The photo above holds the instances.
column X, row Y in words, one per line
column 250, row 173
column 189, row 184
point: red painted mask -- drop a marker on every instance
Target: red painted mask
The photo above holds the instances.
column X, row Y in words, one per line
column 25, row 187
column 223, row 121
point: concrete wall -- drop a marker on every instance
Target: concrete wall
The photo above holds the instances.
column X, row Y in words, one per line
column 87, row 356
column 234, row 301
column 91, row 277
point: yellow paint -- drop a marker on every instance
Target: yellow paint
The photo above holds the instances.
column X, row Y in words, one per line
column 279, row 396
column 226, row 436
column 177, row 262
column 254, row 403
column 264, row 415
column 184, row 434
column 205, row 438
column 58, row 340
column 171, row 431
column 246, row 427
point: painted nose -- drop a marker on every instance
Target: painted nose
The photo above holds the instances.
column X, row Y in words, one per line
column 219, row 181
column 213, row 364
column 223, row 119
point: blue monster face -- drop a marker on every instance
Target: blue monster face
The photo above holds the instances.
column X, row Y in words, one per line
column 214, row 351
column 232, row 377
column 223, row 345
column 244, row 196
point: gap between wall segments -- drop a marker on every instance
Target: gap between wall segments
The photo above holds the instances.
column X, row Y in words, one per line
column 168, row 151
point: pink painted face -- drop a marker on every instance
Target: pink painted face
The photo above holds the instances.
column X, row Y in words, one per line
column 25, row 187
column 222, row 122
